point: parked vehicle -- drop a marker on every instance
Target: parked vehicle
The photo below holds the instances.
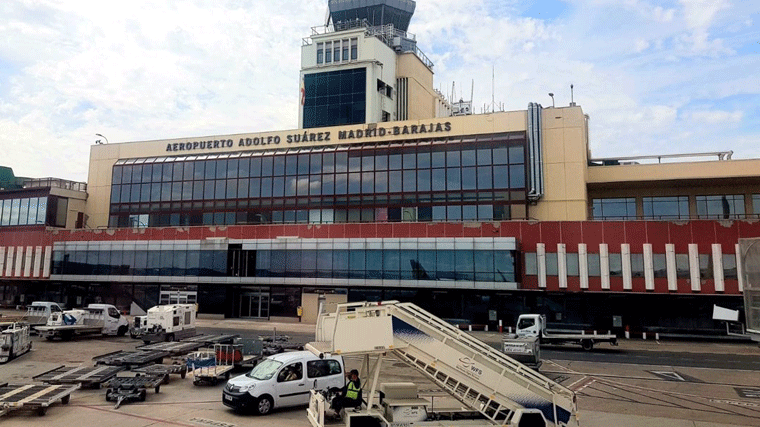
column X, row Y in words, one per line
column 14, row 340
column 534, row 325
column 165, row 323
column 102, row 319
column 39, row 312
column 282, row 380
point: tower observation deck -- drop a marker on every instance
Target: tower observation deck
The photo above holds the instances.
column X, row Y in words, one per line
column 377, row 12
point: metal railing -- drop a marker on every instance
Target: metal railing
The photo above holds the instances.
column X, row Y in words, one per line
column 629, row 160
column 53, row 182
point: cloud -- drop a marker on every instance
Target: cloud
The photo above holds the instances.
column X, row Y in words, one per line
column 654, row 76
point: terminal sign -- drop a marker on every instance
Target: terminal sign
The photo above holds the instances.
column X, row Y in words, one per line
column 308, row 136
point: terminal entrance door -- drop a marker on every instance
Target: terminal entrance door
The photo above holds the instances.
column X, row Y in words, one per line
column 254, row 304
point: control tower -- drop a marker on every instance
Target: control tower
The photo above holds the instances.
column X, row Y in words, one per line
column 364, row 67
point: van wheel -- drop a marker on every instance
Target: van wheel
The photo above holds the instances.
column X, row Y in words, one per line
column 122, row 331
column 587, row 345
column 170, row 338
column 263, row 405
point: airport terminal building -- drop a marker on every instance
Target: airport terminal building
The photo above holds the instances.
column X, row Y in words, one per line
column 388, row 191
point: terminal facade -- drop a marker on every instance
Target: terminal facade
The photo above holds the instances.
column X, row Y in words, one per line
column 387, row 191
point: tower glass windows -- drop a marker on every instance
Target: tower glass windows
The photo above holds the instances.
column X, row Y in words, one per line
column 335, row 98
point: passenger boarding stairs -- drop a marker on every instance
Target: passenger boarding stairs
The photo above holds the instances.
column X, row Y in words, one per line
column 479, row 376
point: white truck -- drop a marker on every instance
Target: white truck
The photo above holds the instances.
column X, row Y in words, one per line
column 165, row 323
column 493, row 388
column 534, row 325
column 39, row 312
column 14, row 340
column 102, row 319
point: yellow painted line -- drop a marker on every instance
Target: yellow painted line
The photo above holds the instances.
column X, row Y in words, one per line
column 16, row 391
column 94, row 372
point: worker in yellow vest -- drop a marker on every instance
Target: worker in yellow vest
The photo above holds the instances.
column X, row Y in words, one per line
column 351, row 396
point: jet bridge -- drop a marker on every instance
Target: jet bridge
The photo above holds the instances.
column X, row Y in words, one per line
column 480, row 377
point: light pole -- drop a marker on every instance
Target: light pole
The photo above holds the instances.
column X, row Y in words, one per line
column 99, row 141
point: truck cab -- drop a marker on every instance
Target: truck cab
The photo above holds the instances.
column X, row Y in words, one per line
column 530, row 325
column 39, row 312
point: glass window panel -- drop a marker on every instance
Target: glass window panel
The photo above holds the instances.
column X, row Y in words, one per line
column 465, row 265
column 178, row 171
column 410, row 160
column 210, row 169
column 381, row 161
column 423, row 160
column 453, row 179
column 484, row 261
column 469, row 179
column 720, row 206
column 660, row 266
column 468, row 157
column 177, row 191
column 316, row 163
column 394, row 161
column 531, row 264
column 221, row 168
column 302, row 185
column 255, row 168
column 452, row 158
column 341, row 161
column 517, row 177
column 168, row 172
column 279, row 166
column 445, row 265
column 232, row 168
column 117, row 173
column 484, row 156
column 315, row 185
column 328, row 162
column 423, row 180
column 244, row 167
column 242, row 188
column 454, row 213
column 23, row 214
column 485, row 176
column 438, row 159
column 516, row 154
column 594, row 269
column 266, row 187
column 637, row 265
column 391, row 263
column 381, row 182
column 439, row 180
column 135, row 196
column 410, row 181
column 551, row 264
column 439, row 213
column 340, row 263
column 729, row 266
column 357, row 261
column 278, row 186
column 622, row 208
column 341, row 183
column 485, row 213
column 199, row 170
column 394, row 181
column 290, row 186
column 368, row 162
column 368, row 182
column 126, row 177
column 354, row 183
column 267, row 166
column 354, row 162
column 705, row 266
column 616, row 265
column 666, row 207
column 469, row 213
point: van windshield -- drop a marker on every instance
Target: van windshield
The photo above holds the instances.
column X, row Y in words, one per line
column 265, row 370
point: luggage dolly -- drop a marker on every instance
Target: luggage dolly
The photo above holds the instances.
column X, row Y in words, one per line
column 130, row 389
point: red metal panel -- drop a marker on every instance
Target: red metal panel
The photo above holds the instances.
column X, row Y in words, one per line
column 512, row 229
column 471, row 229
column 727, row 234
column 573, row 284
column 529, row 282
column 321, row 231
column 276, row 231
column 680, row 236
column 248, row 232
column 401, row 230
column 369, row 231
column 417, row 229
column 594, row 283
column 436, row 229
column 489, row 229
column 353, row 231
column 571, row 234
column 552, row 283
column 749, row 229
column 453, row 229
column 638, row 284
column 636, row 235
column 384, row 230
column 614, row 235
column 660, row 285
column 530, row 234
column 306, row 231
column 657, row 233
column 550, row 235
column 703, row 233
column 732, row 286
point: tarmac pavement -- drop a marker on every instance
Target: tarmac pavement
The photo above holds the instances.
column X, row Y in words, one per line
column 609, row 394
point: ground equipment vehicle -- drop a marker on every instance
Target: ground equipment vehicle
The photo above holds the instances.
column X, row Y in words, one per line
column 501, row 390
column 39, row 312
column 534, row 325
column 283, row 379
column 14, row 340
column 165, row 323
column 95, row 319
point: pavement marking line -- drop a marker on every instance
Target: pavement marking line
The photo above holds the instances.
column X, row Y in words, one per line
column 685, row 366
column 94, row 372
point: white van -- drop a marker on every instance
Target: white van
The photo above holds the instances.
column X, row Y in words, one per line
column 283, row 379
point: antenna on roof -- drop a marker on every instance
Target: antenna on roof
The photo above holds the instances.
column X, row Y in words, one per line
column 572, row 99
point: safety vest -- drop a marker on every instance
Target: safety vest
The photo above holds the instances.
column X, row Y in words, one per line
column 352, row 392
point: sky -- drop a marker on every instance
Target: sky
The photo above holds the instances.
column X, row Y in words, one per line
column 655, row 77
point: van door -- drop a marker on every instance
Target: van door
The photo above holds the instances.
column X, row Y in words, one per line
column 291, row 386
column 111, row 321
column 324, row 374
